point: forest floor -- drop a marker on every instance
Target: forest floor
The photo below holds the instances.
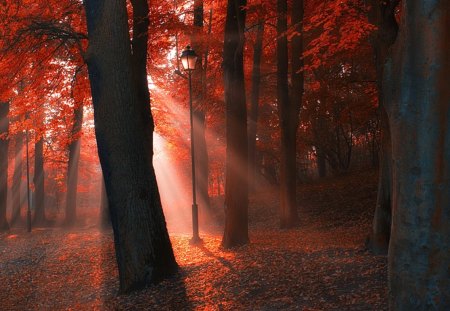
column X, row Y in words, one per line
column 321, row 265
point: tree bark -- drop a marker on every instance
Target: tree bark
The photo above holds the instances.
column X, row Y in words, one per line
column 201, row 154
column 382, row 14
column 124, row 127
column 297, row 79
column 39, row 218
column 416, row 87
column 72, row 171
column 381, row 227
column 4, row 142
column 236, row 188
column 287, row 111
column 253, row 120
column 17, row 180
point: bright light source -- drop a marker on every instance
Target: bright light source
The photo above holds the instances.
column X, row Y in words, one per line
column 188, row 59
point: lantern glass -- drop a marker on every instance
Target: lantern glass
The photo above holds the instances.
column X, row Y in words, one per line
column 188, row 59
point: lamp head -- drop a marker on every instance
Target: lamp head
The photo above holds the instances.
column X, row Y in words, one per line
column 188, row 59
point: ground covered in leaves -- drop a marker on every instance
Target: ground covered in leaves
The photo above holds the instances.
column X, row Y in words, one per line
column 321, row 265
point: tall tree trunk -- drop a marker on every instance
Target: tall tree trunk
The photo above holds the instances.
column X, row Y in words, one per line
column 383, row 15
column 124, row 128
column 4, row 142
column 17, row 179
column 418, row 105
column 321, row 162
column 297, row 85
column 201, row 154
column 39, row 218
column 236, row 188
column 253, row 120
column 72, row 170
column 287, row 111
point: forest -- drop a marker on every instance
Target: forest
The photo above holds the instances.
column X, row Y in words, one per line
column 225, row 155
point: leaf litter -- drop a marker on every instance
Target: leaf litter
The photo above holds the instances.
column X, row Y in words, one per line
column 320, row 265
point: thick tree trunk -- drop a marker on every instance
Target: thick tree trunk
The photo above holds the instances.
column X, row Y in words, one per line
column 4, row 142
column 382, row 14
column 201, row 151
column 72, row 171
column 39, row 218
column 236, row 188
column 17, row 180
column 417, row 90
column 124, row 138
column 254, row 97
column 287, row 111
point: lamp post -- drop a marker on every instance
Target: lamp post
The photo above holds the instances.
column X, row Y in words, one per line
column 189, row 60
column 28, row 187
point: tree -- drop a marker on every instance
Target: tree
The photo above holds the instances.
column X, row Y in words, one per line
column 39, row 218
column 288, row 115
column 123, row 129
column 17, row 179
column 4, row 142
column 254, row 98
column 236, row 188
column 72, row 169
column 383, row 15
column 199, row 77
column 415, row 88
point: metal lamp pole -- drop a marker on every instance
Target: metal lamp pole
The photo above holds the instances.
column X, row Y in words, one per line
column 189, row 60
column 195, row 236
column 28, row 188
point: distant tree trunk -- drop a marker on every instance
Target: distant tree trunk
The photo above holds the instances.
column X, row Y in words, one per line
column 287, row 111
column 253, row 120
column 124, row 127
column 297, row 87
column 17, row 179
column 105, row 218
column 383, row 15
column 72, row 170
column 4, row 142
column 201, row 154
column 236, row 187
column 418, row 104
column 39, row 218
column 321, row 162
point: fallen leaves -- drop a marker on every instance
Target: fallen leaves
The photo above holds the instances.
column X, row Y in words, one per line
column 321, row 265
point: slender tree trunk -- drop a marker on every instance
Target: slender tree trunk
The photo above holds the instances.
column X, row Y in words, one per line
column 39, row 218
column 383, row 15
column 201, row 154
column 236, row 188
column 418, row 104
column 321, row 162
column 72, row 173
column 287, row 111
column 124, row 128
column 253, row 120
column 297, row 88
column 17, row 180
column 381, row 227
column 4, row 142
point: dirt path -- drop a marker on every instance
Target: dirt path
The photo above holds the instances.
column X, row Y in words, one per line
column 321, row 265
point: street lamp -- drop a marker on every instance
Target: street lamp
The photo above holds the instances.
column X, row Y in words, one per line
column 28, row 185
column 189, row 60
